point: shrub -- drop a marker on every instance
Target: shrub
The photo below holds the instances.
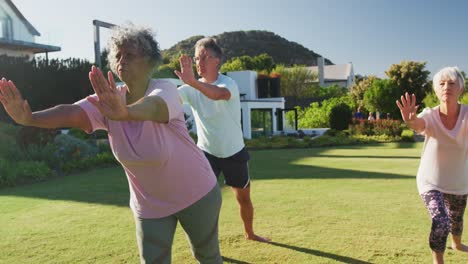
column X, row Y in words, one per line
column 35, row 136
column 78, row 133
column 318, row 114
column 46, row 154
column 70, row 148
column 12, row 172
column 407, row 135
column 101, row 159
column 9, row 148
column 387, row 127
column 340, row 116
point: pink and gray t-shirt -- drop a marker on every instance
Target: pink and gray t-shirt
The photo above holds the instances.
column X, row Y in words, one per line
column 166, row 171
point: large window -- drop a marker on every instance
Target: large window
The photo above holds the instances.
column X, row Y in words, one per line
column 6, row 30
column 261, row 122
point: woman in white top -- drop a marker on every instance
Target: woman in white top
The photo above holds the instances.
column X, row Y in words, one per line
column 443, row 172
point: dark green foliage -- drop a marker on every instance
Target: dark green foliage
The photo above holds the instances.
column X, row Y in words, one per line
column 381, row 96
column 318, row 114
column 407, row 135
column 101, row 159
column 27, row 136
column 46, row 154
column 358, row 89
column 340, row 116
column 330, row 138
column 8, row 146
column 253, row 43
column 430, row 100
column 80, row 134
column 12, row 173
column 262, row 62
column 71, row 148
column 47, row 83
column 380, row 127
column 411, row 77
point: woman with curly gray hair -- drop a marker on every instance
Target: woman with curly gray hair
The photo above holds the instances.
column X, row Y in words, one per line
column 442, row 177
column 169, row 178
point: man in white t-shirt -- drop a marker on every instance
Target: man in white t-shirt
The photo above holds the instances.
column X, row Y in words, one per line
column 215, row 103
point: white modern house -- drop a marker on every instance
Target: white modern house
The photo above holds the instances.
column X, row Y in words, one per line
column 17, row 35
column 340, row 74
column 259, row 116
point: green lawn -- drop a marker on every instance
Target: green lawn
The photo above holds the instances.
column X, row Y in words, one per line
column 328, row 205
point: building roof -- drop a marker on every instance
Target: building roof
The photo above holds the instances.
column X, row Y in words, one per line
column 338, row 72
column 27, row 46
column 28, row 25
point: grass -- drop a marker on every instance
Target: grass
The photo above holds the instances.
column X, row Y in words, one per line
column 354, row 204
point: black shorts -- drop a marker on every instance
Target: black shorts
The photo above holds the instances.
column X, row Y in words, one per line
column 234, row 168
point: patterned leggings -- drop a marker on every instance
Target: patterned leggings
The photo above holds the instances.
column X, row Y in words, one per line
column 446, row 211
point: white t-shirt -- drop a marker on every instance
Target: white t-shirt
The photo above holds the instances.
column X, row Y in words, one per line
column 444, row 165
column 218, row 122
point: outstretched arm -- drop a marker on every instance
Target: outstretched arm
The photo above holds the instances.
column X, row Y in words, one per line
column 111, row 104
column 187, row 76
column 59, row 116
column 408, row 109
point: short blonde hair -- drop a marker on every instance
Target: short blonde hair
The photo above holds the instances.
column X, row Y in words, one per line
column 448, row 73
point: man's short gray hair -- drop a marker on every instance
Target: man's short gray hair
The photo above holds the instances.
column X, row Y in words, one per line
column 139, row 38
column 448, row 73
column 210, row 44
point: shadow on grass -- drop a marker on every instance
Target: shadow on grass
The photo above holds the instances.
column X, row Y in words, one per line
column 109, row 185
column 234, row 261
column 322, row 254
column 406, row 144
column 103, row 186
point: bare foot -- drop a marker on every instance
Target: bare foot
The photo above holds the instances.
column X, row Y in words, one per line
column 257, row 238
column 460, row 247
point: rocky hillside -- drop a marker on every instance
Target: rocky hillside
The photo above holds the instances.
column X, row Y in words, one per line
column 252, row 43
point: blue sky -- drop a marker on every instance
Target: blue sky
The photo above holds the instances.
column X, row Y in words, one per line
column 372, row 34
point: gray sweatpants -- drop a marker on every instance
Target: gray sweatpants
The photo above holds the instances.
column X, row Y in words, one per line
column 200, row 223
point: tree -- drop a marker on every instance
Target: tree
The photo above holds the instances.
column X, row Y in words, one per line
column 104, row 61
column 411, row 77
column 358, row 89
column 295, row 81
column 466, row 80
column 262, row 62
column 340, row 116
column 238, row 64
column 381, row 96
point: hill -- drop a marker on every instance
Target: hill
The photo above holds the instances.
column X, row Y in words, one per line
column 252, row 43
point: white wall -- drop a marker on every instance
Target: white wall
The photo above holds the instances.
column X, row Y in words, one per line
column 247, row 83
column 246, row 112
column 16, row 53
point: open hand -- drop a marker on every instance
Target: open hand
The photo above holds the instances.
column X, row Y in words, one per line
column 408, row 107
column 110, row 103
column 14, row 104
column 186, row 74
